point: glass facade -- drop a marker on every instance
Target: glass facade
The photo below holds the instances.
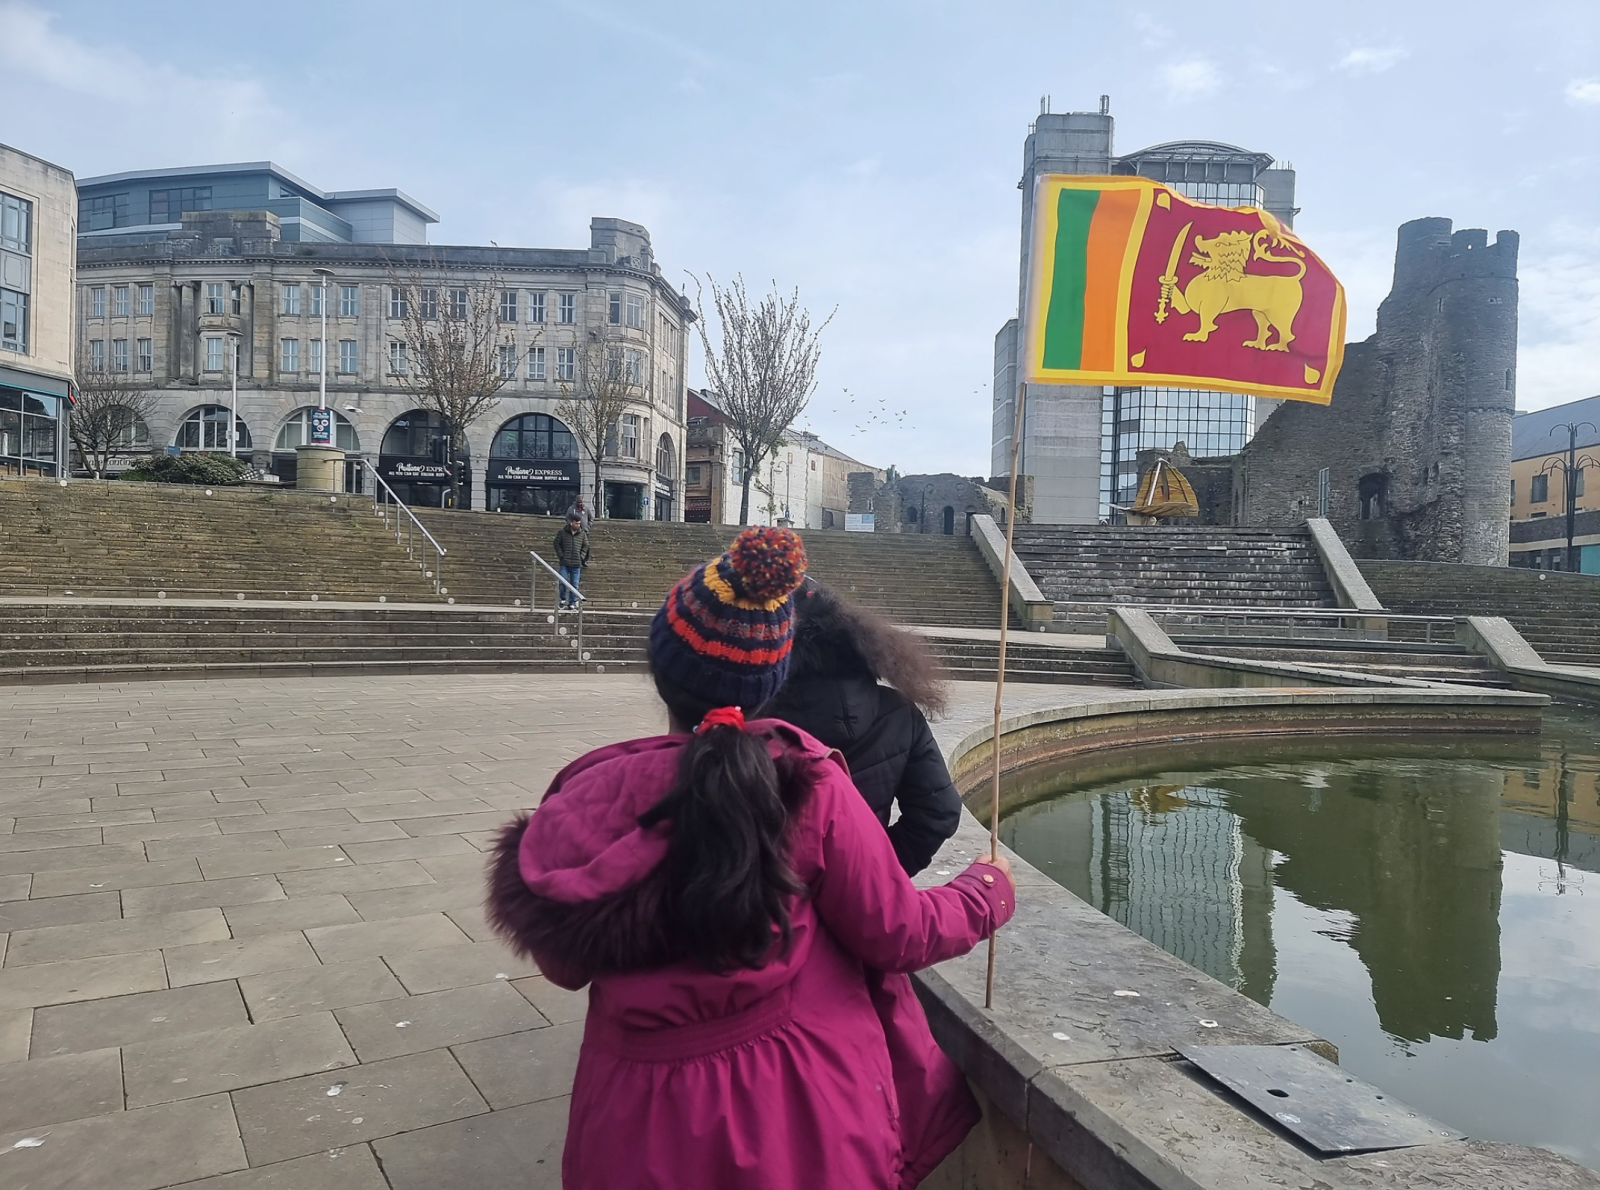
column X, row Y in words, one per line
column 30, row 433
column 206, row 428
column 1135, row 419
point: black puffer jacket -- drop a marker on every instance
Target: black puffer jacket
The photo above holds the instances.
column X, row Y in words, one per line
column 891, row 752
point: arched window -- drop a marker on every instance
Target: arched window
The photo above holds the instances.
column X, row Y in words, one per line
column 666, row 462
column 413, row 434
column 534, row 436
column 125, row 429
column 296, row 431
column 206, row 428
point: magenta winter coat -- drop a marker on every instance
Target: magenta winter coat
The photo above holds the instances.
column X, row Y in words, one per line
column 815, row 1072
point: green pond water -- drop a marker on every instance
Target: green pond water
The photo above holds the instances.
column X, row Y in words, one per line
column 1431, row 906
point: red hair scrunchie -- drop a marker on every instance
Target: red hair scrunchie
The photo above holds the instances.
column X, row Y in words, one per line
column 722, row 717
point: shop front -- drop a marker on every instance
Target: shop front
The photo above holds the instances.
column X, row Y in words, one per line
column 533, row 467
column 625, row 501
column 536, row 487
column 413, row 461
column 31, row 431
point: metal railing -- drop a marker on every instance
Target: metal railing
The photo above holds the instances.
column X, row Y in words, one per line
column 560, row 603
column 408, row 530
column 1300, row 623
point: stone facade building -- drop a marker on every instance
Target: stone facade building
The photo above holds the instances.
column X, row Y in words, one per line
column 164, row 300
column 1417, row 441
column 941, row 504
column 38, row 228
column 1080, row 443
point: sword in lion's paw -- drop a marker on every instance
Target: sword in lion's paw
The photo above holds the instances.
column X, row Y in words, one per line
column 1169, row 279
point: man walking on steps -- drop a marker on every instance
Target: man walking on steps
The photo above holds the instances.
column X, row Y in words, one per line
column 572, row 555
column 583, row 513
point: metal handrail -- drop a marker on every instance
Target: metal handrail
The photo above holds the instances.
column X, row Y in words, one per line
column 383, row 498
column 1327, row 622
column 561, row 581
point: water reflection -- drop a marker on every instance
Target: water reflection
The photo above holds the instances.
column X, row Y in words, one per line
column 1453, row 874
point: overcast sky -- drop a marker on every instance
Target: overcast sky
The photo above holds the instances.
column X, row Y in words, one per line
column 865, row 151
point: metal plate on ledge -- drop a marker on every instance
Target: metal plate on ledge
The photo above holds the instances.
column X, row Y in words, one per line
column 1315, row 1100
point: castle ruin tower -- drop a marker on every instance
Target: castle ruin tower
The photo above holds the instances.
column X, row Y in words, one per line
column 1477, row 317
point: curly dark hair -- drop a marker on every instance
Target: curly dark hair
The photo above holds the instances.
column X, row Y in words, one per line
column 834, row 638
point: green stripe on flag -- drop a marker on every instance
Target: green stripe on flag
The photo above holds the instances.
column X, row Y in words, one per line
column 1063, row 327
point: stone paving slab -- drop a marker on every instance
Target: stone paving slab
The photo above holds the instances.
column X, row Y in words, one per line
column 351, row 1168
column 520, row 1147
column 131, row 1150
column 436, row 1019
column 375, row 1099
column 69, row 1087
column 458, row 966
column 127, row 1020
column 312, row 989
column 239, row 1056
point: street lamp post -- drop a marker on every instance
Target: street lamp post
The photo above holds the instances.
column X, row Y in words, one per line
column 1569, row 477
column 322, row 382
column 233, row 409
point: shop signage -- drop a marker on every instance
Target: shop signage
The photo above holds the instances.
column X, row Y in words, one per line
column 413, row 469
column 321, row 427
column 534, row 472
column 860, row 522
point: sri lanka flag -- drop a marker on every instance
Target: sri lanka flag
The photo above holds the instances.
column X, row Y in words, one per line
column 1131, row 283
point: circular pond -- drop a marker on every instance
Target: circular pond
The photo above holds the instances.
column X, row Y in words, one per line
column 1431, row 907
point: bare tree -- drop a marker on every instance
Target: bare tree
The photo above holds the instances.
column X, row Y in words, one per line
column 763, row 372
column 110, row 412
column 606, row 382
column 456, row 351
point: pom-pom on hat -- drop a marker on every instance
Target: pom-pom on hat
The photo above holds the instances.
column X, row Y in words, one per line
column 725, row 631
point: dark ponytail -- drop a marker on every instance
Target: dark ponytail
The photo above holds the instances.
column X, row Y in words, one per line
column 726, row 882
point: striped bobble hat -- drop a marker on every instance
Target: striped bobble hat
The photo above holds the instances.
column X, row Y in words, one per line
column 725, row 631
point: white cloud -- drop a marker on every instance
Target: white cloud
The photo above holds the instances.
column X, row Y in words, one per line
column 1584, row 92
column 1152, row 32
column 1370, row 59
column 127, row 101
column 1559, row 320
column 1193, row 79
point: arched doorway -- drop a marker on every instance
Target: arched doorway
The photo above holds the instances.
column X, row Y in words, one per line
column 949, row 520
column 206, row 428
column 296, row 432
column 533, row 466
column 666, row 478
column 415, row 457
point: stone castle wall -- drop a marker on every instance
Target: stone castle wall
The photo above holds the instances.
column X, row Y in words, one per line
column 1417, row 441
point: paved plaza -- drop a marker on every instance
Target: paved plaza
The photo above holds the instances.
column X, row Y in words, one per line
column 242, row 930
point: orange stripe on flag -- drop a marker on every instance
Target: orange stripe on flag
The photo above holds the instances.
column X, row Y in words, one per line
column 1108, row 242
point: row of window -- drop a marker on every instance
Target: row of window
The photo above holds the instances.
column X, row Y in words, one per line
column 623, row 309
column 105, row 211
column 527, row 436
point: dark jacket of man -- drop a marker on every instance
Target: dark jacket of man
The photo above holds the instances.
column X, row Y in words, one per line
column 891, row 752
column 572, row 549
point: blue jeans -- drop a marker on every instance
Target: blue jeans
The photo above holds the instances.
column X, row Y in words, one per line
column 573, row 575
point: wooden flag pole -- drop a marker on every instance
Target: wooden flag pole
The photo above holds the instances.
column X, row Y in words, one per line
column 1000, row 670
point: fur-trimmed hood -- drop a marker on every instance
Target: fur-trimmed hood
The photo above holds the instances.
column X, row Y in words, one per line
column 570, row 884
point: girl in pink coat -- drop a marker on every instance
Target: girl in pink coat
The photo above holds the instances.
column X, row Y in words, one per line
column 731, row 903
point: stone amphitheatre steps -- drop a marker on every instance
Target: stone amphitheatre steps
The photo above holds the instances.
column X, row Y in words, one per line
column 925, row 580
column 131, row 539
column 1558, row 613
column 73, row 640
column 1086, row 569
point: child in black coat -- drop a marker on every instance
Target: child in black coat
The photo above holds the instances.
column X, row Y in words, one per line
column 842, row 656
